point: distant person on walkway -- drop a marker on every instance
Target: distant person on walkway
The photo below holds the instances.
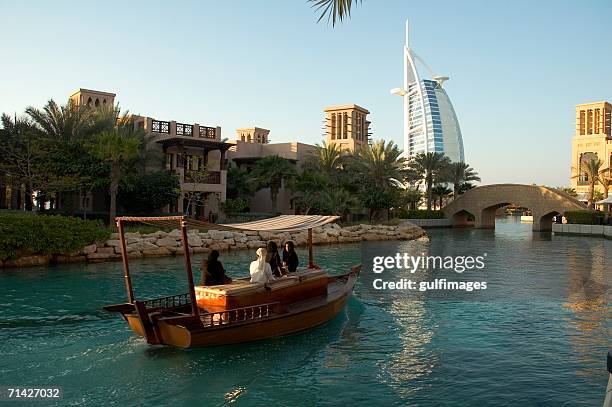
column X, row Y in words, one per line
column 213, row 272
column 274, row 259
column 290, row 257
column 260, row 269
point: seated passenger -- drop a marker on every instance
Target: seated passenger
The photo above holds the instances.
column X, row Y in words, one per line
column 274, row 259
column 260, row 269
column 290, row 257
column 213, row 272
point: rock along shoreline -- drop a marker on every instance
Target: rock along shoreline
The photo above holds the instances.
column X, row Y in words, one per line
column 158, row 244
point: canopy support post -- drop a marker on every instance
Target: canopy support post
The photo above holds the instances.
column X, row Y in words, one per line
column 126, row 268
column 192, row 296
column 311, row 264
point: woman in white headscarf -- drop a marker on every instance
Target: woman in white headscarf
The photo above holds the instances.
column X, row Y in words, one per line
column 260, row 268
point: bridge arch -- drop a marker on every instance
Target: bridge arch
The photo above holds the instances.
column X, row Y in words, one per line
column 482, row 202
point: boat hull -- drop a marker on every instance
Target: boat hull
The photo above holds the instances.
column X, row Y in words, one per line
column 296, row 318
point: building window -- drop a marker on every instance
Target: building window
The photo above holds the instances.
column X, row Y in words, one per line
column 582, row 123
column 590, row 121
column 333, row 126
column 345, row 125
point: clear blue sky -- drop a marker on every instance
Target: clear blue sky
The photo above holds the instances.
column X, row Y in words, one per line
column 517, row 68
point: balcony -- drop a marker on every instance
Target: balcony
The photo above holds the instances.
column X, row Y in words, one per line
column 208, row 132
column 184, row 129
column 212, row 177
column 158, row 126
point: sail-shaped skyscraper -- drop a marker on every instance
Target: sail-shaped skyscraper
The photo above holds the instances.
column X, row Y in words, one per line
column 430, row 122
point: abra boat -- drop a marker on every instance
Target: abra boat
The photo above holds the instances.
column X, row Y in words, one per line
column 240, row 311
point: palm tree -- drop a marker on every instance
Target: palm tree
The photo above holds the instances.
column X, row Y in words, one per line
column 459, row 173
column 606, row 181
column 381, row 164
column 311, row 185
column 117, row 146
column 269, row 172
column 591, row 170
column 326, row 158
column 64, row 123
column 441, row 191
column 238, row 182
column 431, row 166
column 337, row 201
column 335, row 10
column 412, row 196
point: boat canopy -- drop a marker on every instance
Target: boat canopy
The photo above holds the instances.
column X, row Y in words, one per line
column 282, row 223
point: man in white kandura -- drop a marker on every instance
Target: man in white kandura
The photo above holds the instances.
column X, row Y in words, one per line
column 260, row 268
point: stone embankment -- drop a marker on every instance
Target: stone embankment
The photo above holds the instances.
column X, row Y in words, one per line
column 169, row 243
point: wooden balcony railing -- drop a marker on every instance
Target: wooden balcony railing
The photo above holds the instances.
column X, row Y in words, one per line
column 158, row 126
column 213, row 177
column 237, row 315
column 208, row 132
column 170, row 302
column 184, row 129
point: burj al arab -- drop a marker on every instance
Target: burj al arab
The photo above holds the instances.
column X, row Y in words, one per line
column 430, row 122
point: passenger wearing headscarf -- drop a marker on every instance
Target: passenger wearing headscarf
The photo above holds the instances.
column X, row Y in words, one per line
column 274, row 259
column 290, row 258
column 213, row 272
column 260, row 269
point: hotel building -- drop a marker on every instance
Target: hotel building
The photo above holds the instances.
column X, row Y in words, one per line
column 251, row 145
column 592, row 140
column 194, row 152
column 430, row 122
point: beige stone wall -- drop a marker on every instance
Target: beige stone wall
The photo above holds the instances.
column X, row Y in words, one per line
column 169, row 243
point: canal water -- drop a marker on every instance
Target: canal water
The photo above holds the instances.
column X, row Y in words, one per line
column 537, row 336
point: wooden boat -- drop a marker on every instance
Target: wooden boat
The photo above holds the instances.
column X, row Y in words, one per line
column 240, row 311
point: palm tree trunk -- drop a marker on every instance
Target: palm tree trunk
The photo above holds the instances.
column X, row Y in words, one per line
column 273, row 196
column 429, row 193
column 114, row 187
column 28, row 197
column 591, row 193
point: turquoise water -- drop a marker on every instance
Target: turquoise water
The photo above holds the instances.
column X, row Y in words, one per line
column 538, row 337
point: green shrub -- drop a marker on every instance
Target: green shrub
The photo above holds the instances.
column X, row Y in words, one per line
column 420, row 214
column 235, row 205
column 584, row 217
column 46, row 234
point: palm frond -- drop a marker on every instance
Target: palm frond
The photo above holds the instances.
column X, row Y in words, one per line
column 334, row 10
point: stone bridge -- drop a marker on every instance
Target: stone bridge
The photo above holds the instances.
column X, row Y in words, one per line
column 482, row 202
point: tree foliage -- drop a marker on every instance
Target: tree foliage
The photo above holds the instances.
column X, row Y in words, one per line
column 149, row 193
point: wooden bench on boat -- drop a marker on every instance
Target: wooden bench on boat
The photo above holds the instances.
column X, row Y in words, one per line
column 304, row 283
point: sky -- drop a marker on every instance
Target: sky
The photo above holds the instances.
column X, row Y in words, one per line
column 517, row 68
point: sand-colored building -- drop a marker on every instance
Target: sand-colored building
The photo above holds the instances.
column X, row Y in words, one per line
column 194, row 152
column 347, row 126
column 245, row 154
column 592, row 140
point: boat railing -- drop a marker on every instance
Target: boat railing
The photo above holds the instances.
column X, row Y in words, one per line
column 169, row 302
column 244, row 314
